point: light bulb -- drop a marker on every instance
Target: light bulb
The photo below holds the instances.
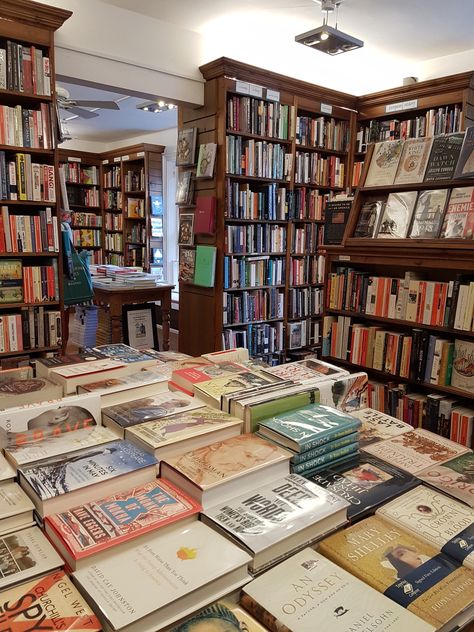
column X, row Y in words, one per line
column 170, row 106
column 324, row 35
column 161, row 104
column 145, row 109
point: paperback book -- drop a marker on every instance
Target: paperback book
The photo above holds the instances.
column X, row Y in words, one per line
column 310, row 370
column 413, row 161
column 454, row 477
column 221, row 614
column 335, row 599
column 7, row 473
column 336, row 215
column 462, row 376
column 428, row 214
column 443, row 157
column 97, row 528
column 441, row 521
column 126, row 355
column 465, row 164
column 74, row 375
column 368, row 220
column 396, row 215
column 459, row 218
column 187, row 263
column 186, row 146
column 384, row 163
column 187, row 378
column 347, row 393
column 277, row 519
column 16, row 509
column 406, row 569
column 377, row 426
column 212, row 391
column 365, row 483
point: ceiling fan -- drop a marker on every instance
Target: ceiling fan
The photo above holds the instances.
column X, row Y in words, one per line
column 74, row 105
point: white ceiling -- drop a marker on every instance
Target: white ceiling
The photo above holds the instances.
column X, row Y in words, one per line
column 419, row 29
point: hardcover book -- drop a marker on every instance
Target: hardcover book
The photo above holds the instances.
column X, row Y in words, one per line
column 310, row 370
column 94, row 527
column 384, row 163
column 213, row 472
column 465, row 164
column 428, row 214
column 365, row 483
column 368, row 220
column 206, row 160
column 415, row 451
column 459, row 218
column 308, row 427
column 18, row 392
column 335, row 599
column 205, row 215
column 184, row 188
column 127, row 355
column 406, row 569
column 115, row 390
column 57, row 483
column 170, row 436
column 45, row 365
column 205, row 266
column 455, row 477
column 441, row 521
column 187, row 261
column 187, row 378
column 184, row 569
column 186, row 146
column 138, row 411
column 186, row 233
column 377, row 426
column 73, row 375
column 396, row 215
column 336, row 214
column 413, row 161
column 16, row 509
column 24, row 554
column 443, row 157
column 46, row 603
column 212, row 391
column 463, row 365
column 7, row 473
column 221, row 613
column 277, row 519
column 347, row 393
column 32, row 425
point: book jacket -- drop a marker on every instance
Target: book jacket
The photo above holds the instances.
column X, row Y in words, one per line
column 384, row 163
column 455, row 477
column 377, row 426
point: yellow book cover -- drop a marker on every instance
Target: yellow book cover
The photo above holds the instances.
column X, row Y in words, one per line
column 404, row 568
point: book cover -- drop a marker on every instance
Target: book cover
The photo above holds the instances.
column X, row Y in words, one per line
column 137, row 411
column 186, row 146
column 365, row 483
column 152, row 375
column 17, row 392
column 462, row 376
column 206, row 160
column 216, row 463
column 56, row 476
column 185, row 232
column 443, row 157
column 309, row 588
column 214, row 389
column 308, row 427
column 455, row 477
column 465, row 164
column 193, row 561
column 33, row 424
column 125, row 354
column 384, row 163
column 413, row 161
column 167, row 430
column 205, row 266
column 187, row 262
column 51, row 602
column 347, row 393
column 403, row 567
column 196, row 375
column 368, row 220
column 428, row 214
column 96, row 526
column 72, row 371
column 184, row 188
column 437, row 519
column 396, row 215
column 25, row 554
column 336, row 214
column 7, row 473
column 220, row 615
column 377, row 426
column 205, row 215
column 44, row 365
column 415, row 451
column 13, row 502
column 459, row 218
column 308, row 370
column 277, row 511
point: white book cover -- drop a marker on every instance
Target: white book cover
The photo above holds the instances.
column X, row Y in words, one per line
column 463, row 365
column 86, row 368
column 7, row 473
column 308, row 592
column 166, row 568
column 377, row 426
column 384, row 163
column 413, row 161
column 24, row 554
column 13, row 501
column 438, row 519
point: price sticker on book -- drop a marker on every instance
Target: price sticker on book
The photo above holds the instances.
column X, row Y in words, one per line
column 243, row 87
column 273, row 95
column 326, row 108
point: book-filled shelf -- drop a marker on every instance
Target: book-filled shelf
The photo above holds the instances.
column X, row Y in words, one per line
column 30, row 267
column 146, row 490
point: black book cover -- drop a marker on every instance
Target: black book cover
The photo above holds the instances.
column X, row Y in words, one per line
column 443, row 157
column 336, row 214
column 367, row 222
column 465, row 164
column 365, row 483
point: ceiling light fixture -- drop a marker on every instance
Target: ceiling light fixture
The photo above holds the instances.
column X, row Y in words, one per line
column 156, row 107
column 329, row 39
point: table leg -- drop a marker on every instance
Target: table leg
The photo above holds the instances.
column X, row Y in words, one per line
column 166, row 317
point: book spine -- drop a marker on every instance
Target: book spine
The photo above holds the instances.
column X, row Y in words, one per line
column 325, row 459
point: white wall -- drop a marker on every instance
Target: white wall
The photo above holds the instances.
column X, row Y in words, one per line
column 165, row 137
column 448, row 65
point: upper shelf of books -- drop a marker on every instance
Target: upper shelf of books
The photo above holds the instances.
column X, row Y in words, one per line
column 416, row 191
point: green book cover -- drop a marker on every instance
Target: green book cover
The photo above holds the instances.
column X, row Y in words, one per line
column 205, row 266
column 350, row 450
column 308, row 427
column 346, row 461
column 258, row 412
column 307, row 455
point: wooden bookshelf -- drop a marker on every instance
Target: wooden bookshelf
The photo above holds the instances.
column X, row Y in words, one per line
column 31, row 25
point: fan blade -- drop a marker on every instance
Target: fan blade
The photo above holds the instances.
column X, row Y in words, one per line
column 105, row 105
column 82, row 113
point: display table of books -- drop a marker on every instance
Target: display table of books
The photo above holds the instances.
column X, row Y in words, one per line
column 144, row 491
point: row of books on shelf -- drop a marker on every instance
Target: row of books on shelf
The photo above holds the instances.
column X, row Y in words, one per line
column 259, row 159
column 254, row 271
column 136, row 233
column 134, row 179
column 306, row 238
column 37, row 232
column 436, row 303
column 312, row 168
column 114, row 241
column 135, row 207
column 113, row 221
column 306, row 270
column 262, row 340
column 322, row 132
column 24, row 69
column 83, row 197
column 77, row 173
column 22, row 179
column 255, row 239
column 112, row 200
column 81, row 218
column 136, row 255
column 113, row 176
column 252, row 305
column 434, row 122
column 32, row 328
column 20, row 283
column 85, row 237
column 304, row 302
column 417, row 355
column 248, row 115
column 23, row 127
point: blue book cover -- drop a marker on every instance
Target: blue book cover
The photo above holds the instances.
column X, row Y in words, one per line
column 56, row 476
column 308, row 427
column 348, row 451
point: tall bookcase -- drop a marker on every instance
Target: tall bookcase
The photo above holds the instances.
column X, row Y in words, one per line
column 257, row 159
column 82, row 178
column 31, row 296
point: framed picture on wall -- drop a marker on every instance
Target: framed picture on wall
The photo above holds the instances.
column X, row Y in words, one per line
column 139, row 326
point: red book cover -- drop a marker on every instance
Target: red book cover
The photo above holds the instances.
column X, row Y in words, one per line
column 96, row 526
column 205, row 215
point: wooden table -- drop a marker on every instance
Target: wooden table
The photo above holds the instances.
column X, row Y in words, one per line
column 117, row 297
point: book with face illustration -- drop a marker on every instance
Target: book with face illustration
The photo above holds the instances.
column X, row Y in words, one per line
column 406, row 569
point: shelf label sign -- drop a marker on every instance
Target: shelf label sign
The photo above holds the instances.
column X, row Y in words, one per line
column 140, row 154
column 326, row 108
column 117, row 159
column 344, row 257
column 256, row 91
column 73, row 159
column 402, row 105
column 105, row 162
column 125, row 157
column 273, row 95
column 243, row 87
